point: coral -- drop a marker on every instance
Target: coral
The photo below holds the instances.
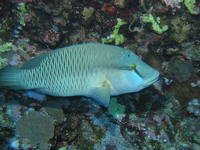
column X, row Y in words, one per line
column 115, row 36
column 181, row 29
column 14, row 110
column 67, row 4
column 4, row 48
column 194, row 107
column 15, row 60
column 173, row 3
column 148, row 18
column 55, row 111
column 5, row 134
column 195, row 84
column 148, row 132
column 155, row 119
column 51, row 36
column 120, row 3
column 21, row 13
column 63, row 148
column 190, row 5
column 191, row 50
column 113, row 140
column 182, row 70
column 89, row 135
column 5, row 121
column 109, row 9
column 87, row 13
column 115, row 109
column 190, row 131
column 38, row 128
column 159, row 130
column 80, row 131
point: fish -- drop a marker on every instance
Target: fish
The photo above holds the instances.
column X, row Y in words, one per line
column 93, row 70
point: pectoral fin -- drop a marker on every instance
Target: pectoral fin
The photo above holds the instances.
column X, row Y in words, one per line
column 102, row 94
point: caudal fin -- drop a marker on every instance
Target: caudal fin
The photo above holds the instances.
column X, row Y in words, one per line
column 10, row 78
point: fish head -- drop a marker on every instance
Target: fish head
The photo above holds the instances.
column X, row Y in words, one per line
column 138, row 74
column 148, row 74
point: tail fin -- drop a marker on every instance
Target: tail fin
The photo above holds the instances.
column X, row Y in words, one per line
column 10, row 77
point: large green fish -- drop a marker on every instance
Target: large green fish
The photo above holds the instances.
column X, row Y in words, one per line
column 92, row 70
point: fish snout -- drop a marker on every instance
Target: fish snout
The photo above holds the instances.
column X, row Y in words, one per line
column 153, row 77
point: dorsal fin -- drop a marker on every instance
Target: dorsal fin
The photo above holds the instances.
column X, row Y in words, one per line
column 34, row 62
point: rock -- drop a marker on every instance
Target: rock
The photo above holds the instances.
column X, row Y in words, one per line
column 191, row 50
column 5, row 121
column 181, row 29
column 182, row 70
column 120, row 3
column 54, row 109
column 87, row 13
column 37, row 128
column 194, row 107
column 116, row 110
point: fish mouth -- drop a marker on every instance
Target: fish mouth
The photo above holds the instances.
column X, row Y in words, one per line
column 152, row 80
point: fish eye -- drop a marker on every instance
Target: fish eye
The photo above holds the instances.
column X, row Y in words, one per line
column 128, row 55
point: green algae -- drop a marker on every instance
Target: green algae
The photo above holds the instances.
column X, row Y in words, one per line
column 115, row 36
column 4, row 48
column 190, row 5
column 155, row 22
column 21, row 13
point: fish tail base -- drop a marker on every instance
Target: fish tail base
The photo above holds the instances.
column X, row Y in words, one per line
column 10, row 78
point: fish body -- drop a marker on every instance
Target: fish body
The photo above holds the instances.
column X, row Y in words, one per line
column 91, row 69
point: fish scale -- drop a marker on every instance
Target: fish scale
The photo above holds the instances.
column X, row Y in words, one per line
column 74, row 82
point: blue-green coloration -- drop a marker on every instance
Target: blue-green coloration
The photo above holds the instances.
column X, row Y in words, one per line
column 93, row 70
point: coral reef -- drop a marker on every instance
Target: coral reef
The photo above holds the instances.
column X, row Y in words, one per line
column 163, row 33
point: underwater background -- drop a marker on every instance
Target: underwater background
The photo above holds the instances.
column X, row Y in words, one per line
column 163, row 33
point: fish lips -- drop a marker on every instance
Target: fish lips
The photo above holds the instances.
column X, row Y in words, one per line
column 155, row 77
